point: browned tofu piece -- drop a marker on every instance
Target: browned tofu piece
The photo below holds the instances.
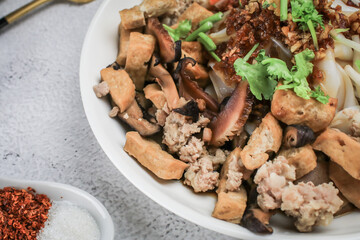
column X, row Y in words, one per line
column 231, row 203
column 196, row 14
column 132, row 18
column 154, row 93
column 289, row 108
column 265, row 139
column 141, row 48
column 124, row 43
column 302, row 158
column 122, row 88
column 194, row 50
column 156, row 8
column 230, row 206
column 342, row 149
column 348, row 186
column 151, row 156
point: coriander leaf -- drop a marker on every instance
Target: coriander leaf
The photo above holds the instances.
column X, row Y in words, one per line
column 319, row 95
column 277, row 67
column 181, row 31
column 308, row 18
column 257, row 77
column 303, row 66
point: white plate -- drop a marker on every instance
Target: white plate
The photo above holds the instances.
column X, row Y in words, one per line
column 99, row 50
column 63, row 192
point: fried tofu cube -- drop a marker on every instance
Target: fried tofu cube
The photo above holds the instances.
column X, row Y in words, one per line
column 151, row 156
column 289, row 108
column 265, row 139
column 348, row 186
column 132, row 18
column 196, row 14
column 156, row 8
column 124, row 43
column 194, row 50
column 302, row 158
column 154, row 93
column 231, row 206
column 342, row 149
column 140, row 50
column 121, row 87
column 232, row 197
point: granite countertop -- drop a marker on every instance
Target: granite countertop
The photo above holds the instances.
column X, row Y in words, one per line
column 44, row 131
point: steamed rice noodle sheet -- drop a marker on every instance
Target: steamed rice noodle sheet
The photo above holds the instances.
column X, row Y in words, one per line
column 334, row 84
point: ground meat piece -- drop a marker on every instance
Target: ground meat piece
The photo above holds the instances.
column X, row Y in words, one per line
column 217, row 156
column 102, row 89
column 234, row 176
column 311, row 205
column 192, row 150
column 201, row 176
column 272, row 178
column 179, row 128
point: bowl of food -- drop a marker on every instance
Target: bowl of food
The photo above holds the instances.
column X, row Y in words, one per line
column 240, row 116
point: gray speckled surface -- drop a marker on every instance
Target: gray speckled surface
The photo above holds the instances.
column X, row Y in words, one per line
column 43, row 129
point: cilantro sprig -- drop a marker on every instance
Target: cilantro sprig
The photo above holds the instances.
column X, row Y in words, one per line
column 263, row 75
column 308, row 18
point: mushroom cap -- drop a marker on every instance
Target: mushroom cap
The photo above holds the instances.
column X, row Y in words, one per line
column 233, row 117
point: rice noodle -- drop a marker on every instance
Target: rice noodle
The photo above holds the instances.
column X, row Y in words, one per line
column 222, row 90
column 355, row 77
column 342, row 51
column 350, row 99
column 356, row 38
column 333, row 85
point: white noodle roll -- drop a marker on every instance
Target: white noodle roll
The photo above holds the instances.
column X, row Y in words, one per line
column 211, row 91
column 342, row 51
column 345, row 119
column 220, row 36
column 356, row 38
column 350, row 99
column 221, row 88
column 333, row 85
column 355, row 77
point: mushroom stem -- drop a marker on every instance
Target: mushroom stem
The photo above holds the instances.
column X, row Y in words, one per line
column 189, row 89
column 166, row 82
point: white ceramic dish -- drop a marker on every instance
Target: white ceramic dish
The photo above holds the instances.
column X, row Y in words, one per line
column 99, row 50
column 63, row 192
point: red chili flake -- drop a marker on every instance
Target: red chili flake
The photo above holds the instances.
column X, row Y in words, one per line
column 22, row 213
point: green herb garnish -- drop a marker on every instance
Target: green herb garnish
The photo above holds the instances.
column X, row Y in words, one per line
column 283, row 10
column 266, row 4
column 261, row 85
column 341, row 30
column 213, row 18
column 308, row 18
column 264, row 74
column 319, row 95
column 203, row 28
column 181, row 31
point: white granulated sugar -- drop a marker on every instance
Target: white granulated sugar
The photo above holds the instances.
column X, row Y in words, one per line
column 69, row 222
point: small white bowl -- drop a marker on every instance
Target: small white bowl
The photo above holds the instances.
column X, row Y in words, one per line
column 63, row 192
